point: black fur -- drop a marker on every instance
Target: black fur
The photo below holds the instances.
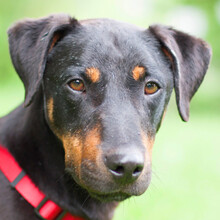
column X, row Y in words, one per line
column 116, row 103
column 191, row 59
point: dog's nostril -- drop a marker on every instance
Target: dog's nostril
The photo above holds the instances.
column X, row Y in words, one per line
column 119, row 170
column 138, row 170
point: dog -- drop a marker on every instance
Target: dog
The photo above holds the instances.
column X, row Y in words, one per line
column 95, row 95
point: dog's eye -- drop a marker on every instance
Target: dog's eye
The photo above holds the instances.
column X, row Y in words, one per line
column 151, row 88
column 77, row 85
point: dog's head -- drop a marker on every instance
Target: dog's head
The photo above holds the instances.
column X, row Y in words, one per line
column 106, row 86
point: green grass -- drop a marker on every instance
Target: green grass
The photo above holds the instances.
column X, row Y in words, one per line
column 11, row 95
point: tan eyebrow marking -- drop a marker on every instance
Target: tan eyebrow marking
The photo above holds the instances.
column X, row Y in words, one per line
column 138, row 72
column 93, row 73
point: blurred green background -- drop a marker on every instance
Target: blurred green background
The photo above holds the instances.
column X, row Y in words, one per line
column 186, row 156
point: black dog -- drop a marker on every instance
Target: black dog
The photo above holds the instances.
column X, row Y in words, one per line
column 96, row 92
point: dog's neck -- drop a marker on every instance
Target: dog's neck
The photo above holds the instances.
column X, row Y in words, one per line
column 38, row 151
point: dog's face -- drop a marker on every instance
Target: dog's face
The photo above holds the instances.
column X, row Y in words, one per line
column 105, row 96
column 106, row 86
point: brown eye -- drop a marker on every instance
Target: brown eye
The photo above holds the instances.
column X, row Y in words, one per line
column 77, row 85
column 151, row 88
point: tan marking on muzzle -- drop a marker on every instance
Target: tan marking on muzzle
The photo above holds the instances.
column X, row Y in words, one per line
column 93, row 73
column 148, row 143
column 79, row 149
column 138, row 72
column 92, row 141
column 73, row 146
column 50, row 110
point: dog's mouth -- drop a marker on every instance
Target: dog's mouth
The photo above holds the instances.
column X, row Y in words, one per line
column 118, row 197
column 101, row 186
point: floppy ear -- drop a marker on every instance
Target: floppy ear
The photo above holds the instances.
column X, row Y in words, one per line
column 30, row 42
column 190, row 58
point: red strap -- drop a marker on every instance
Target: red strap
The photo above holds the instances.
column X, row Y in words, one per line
column 7, row 162
column 46, row 209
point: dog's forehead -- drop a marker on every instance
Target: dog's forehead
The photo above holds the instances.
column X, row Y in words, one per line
column 107, row 24
column 110, row 46
column 106, row 41
column 111, row 33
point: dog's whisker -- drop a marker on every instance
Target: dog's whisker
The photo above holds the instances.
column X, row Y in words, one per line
column 85, row 200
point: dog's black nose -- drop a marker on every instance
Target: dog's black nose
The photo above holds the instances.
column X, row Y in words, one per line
column 125, row 168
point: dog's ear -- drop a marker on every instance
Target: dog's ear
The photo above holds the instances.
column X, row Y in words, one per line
column 30, row 41
column 190, row 58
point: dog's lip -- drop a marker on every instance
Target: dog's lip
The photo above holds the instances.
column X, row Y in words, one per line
column 108, row 197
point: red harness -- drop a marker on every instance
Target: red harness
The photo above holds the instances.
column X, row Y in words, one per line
column 43, row 207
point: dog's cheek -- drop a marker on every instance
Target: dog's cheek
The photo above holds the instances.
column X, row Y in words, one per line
column 79, row 148
column 50, row 117
column 73, row 147
column 54, row 123
column 82, row 152
column 72, row 143
column 92, row 162
column 148, row 142
column 91, row 152
column 50, row 110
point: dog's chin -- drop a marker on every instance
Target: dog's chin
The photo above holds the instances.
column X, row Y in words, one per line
column 101, row 196
column 110, row 197
column 110, row 191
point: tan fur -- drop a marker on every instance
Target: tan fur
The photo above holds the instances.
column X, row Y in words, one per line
column 138, row 72
column 92, row 140
column 54, row 40
column 80, row 149
column 50, row 110
column 93, row 73
column 73, row 146
column 148, row 143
